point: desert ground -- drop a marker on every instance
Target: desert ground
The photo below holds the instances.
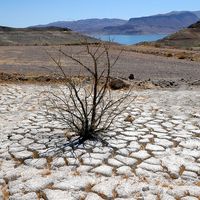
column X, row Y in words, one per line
column 156, row 156
column 34, row 61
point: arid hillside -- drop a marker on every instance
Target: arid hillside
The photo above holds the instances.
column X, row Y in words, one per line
column 40, row 36
column 186, row 38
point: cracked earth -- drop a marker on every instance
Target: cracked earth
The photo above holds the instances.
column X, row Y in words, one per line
column 157, row 156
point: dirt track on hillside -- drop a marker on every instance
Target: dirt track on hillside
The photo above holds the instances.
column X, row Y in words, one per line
column 34, row 61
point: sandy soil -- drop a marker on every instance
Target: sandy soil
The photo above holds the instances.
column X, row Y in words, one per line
column 34, row 61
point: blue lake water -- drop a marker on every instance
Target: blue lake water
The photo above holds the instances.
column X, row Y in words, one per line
column 130, row 39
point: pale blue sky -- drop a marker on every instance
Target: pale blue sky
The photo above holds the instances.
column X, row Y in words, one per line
column 22, row 13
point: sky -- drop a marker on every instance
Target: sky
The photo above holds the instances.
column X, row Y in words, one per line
column 23, row 13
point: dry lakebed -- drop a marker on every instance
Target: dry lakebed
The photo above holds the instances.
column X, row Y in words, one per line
column 157, row 156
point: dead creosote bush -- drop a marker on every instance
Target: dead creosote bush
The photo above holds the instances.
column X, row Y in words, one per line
column 88, row 109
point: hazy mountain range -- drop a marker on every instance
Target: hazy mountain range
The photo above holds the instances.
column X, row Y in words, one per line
column 87, row 25
column 156, row 24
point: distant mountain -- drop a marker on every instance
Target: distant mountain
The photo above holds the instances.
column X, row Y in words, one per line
column 40, row 36
column 197, row 13
column 87, row 25
column 157, row 24
column 186, row 38
column 162, row 23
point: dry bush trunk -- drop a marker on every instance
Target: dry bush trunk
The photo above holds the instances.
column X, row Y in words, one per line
column 88, row 109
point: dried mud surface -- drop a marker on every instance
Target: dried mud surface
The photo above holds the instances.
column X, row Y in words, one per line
column 157, row 156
